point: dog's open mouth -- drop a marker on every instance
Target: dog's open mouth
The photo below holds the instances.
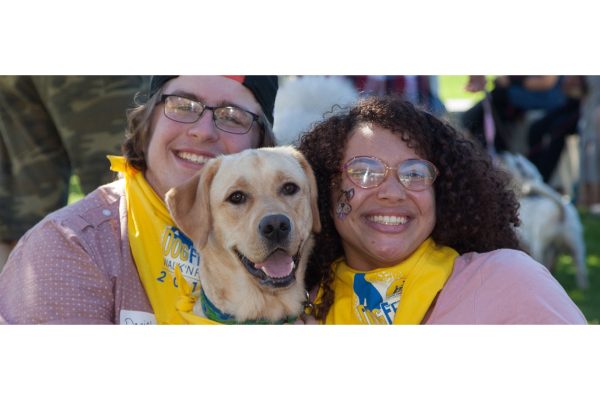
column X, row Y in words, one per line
column 277, row 270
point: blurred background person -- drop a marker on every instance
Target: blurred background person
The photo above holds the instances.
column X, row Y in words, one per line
column 421, row 90
column 510, row 99
column 547, row 135
column 589, row 126
column 52, row 127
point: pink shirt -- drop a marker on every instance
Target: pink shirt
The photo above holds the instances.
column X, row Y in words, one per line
column 502, row 287
column 75, row 267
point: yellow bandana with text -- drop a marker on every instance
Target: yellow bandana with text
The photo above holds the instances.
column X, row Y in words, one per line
column 167, row 261
column 400, row 294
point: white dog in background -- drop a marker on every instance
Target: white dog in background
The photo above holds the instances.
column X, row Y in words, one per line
column 303, row 101
column 549, row 224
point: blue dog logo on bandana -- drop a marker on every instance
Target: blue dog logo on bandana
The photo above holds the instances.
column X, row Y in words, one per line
column 368, row 295
column 375, row 306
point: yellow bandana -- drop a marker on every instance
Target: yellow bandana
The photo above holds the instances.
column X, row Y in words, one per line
column 166, row 260
column 401, row 294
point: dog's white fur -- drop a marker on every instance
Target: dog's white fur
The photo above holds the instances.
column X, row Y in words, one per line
column 203, row 209
column 549, row 224
column 305, row 100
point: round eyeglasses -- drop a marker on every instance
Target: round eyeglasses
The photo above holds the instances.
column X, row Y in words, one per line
column 230, row 119
column 370, row 172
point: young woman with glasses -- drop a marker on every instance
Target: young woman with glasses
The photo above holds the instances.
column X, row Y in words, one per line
column 418, row 227
column 111, row 257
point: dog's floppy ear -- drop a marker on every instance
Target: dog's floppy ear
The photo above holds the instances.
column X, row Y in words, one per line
column 314, row 205
column 189, row 204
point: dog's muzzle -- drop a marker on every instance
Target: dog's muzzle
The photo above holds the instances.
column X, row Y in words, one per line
column 278, row 270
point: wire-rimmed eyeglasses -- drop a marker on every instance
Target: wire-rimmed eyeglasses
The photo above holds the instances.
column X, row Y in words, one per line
column 369, row 172
column 230, row 119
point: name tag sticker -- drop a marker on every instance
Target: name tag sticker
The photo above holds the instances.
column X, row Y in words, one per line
column 130, row 317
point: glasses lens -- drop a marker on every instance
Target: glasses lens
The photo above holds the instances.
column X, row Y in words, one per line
column 365, row 172
column 183, row 110
column 416, row 174
column 233, row 119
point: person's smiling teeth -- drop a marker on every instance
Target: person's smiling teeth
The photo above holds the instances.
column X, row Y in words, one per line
column 388, row 220
column 195, row 158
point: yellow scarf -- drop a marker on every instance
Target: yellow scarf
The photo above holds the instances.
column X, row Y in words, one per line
column 166, row 260
column 401, row 294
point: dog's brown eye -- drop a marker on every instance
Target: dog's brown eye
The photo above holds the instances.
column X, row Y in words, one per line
column 289, row 189
column 237, row 197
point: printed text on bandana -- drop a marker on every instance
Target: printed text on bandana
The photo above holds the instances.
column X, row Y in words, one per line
column 377, row 297
column 179, row 252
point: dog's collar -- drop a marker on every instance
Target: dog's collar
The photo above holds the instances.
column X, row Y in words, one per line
column 214, row 314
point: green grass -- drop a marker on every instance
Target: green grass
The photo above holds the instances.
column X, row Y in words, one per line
column 75, row 192
column 587, row 300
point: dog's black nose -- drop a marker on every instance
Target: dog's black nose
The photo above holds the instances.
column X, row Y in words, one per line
column 275, row 228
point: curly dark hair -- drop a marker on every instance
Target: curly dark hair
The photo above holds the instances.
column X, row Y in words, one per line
column 475, row 208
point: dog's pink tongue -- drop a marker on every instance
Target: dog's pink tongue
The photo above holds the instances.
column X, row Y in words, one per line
column 278, row 265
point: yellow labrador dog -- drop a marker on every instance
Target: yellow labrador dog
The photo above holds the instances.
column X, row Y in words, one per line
column 252, row 216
